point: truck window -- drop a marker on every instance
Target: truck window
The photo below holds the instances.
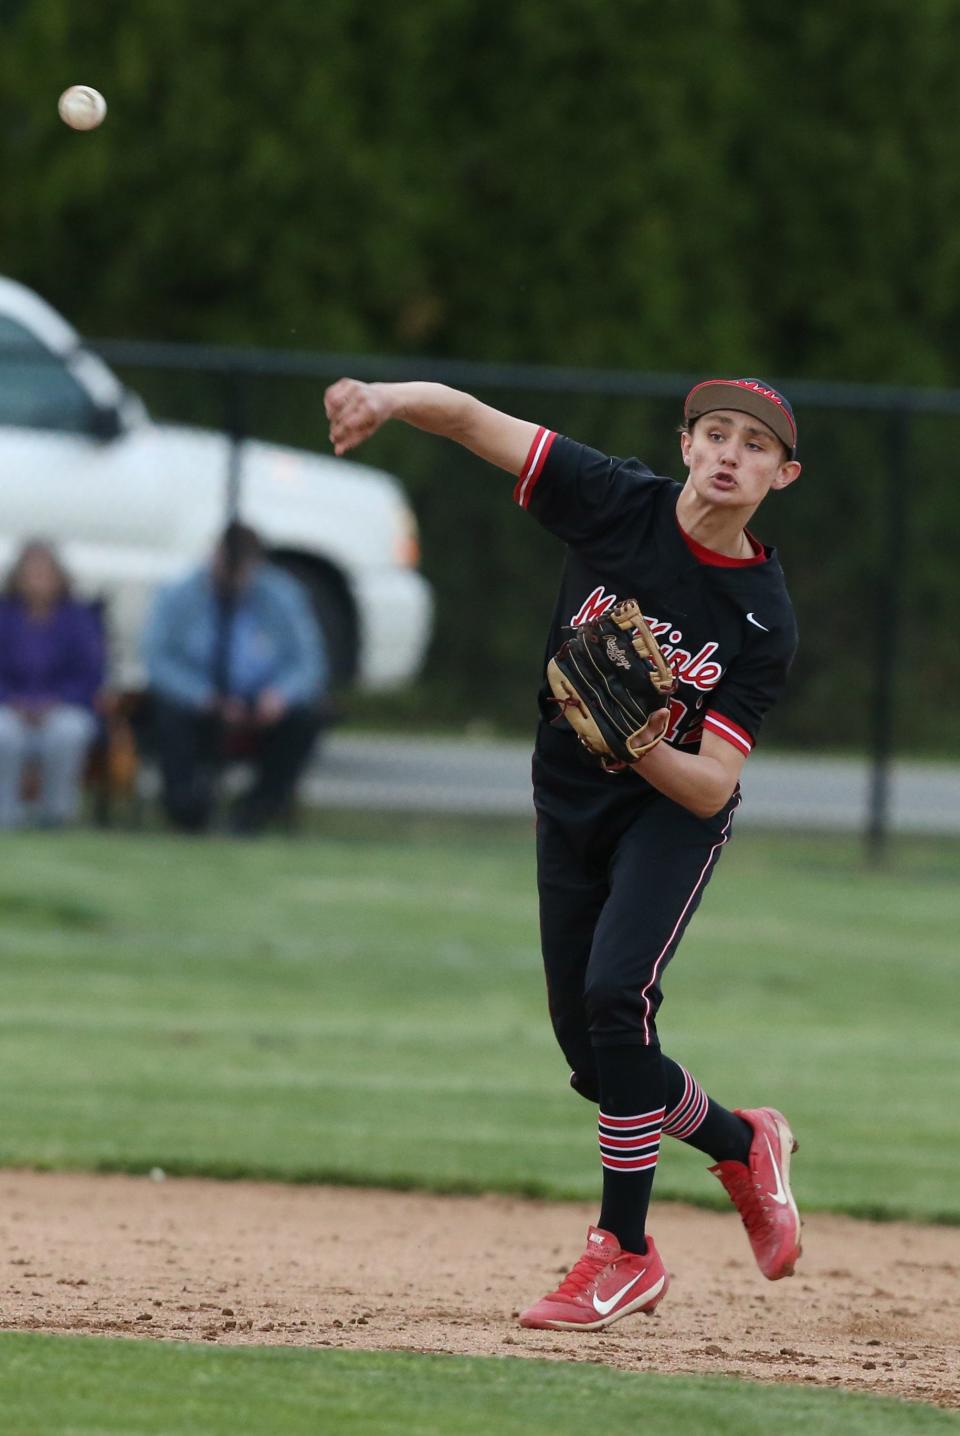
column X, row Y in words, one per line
column 37, row 391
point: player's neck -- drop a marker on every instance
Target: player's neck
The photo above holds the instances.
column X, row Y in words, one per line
column 719, row 529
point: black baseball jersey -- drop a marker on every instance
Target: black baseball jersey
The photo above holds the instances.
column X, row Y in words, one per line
column 726, row 625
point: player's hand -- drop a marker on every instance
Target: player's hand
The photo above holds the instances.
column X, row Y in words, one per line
column 654, row 728
column 657, row 724
column 355, row 411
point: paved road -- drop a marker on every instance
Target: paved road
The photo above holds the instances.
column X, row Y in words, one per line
column 477, row 777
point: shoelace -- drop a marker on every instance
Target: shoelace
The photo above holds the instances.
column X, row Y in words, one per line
column 579, row 1277
column 749, row 1196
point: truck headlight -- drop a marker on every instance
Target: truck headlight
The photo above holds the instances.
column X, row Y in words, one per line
column 406, row 544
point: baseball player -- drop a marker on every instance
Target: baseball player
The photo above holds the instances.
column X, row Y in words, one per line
column 623, row 859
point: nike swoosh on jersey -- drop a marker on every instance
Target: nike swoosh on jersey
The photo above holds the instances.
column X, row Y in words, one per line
column 604, row 1307
column 779, row 1195
column 756, row 623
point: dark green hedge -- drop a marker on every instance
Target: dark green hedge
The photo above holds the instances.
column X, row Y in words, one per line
column 625, row 183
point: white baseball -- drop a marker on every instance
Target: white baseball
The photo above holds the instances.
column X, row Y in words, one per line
column 82, row 108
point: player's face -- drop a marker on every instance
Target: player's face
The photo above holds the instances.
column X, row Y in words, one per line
column 735, row 460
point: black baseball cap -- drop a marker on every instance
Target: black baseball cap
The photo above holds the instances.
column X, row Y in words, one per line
column 747, row 396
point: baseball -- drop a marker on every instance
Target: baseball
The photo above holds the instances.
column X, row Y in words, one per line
column 81, row 107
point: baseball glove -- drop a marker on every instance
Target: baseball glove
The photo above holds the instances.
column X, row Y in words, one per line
column 608, row 678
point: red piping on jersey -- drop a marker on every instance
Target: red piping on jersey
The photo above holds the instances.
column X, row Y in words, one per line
column 722, row 560
column 725, row 727
column 645, row 994
column 533, row 466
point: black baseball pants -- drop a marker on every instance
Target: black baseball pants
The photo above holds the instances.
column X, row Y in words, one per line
column 614, row 903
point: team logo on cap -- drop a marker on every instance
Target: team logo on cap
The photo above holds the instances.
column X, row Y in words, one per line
column 759, row 388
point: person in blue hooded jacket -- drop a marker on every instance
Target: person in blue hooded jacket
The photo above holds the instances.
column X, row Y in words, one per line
column 235, row 662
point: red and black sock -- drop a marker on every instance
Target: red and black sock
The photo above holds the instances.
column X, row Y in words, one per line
column 694, row 1118
column 632, row 1089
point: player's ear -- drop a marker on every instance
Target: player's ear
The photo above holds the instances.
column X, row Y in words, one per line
column 685, row 442
column 786, row 474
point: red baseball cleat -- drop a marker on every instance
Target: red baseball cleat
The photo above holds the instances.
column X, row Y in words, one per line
column 760, row 1191
column 605, row 1284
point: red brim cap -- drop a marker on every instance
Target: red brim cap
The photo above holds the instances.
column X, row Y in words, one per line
column 747, row 396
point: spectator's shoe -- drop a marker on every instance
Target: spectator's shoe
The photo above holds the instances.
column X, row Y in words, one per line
column 605, row 1284
column 760, row 1191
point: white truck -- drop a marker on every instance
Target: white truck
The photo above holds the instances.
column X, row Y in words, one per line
column 131, row 503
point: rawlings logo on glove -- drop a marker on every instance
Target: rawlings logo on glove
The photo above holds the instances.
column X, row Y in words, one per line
column 616, row 654
column 608, row 678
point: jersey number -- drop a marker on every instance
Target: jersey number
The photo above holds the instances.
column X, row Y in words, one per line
column 678, row 711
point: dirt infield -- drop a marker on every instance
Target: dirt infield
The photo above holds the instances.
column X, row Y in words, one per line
column 872, row 1308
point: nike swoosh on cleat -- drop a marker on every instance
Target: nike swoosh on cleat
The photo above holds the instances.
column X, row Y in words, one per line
column 756, row 623
column 605, row 1307
column 779, row 1195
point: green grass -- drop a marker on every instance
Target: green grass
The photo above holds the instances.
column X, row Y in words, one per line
column 367, row 1005
column 81, row 1386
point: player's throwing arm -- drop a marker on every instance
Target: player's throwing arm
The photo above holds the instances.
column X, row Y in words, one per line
column 356, row 411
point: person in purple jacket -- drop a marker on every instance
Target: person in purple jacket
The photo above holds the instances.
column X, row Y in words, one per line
column 51, row 668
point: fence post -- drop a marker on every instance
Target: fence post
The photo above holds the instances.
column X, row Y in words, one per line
column 233, row 424
column 889, row 604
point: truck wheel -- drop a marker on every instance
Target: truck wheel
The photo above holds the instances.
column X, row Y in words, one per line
column 335, row 614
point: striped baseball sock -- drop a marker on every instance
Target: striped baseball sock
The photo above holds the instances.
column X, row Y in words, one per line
column 695, row 1118
column 630, row 1119
column 685, row 1115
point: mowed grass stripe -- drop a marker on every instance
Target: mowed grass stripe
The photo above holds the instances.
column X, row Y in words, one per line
column 83, row 1386
column 367, row 1004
